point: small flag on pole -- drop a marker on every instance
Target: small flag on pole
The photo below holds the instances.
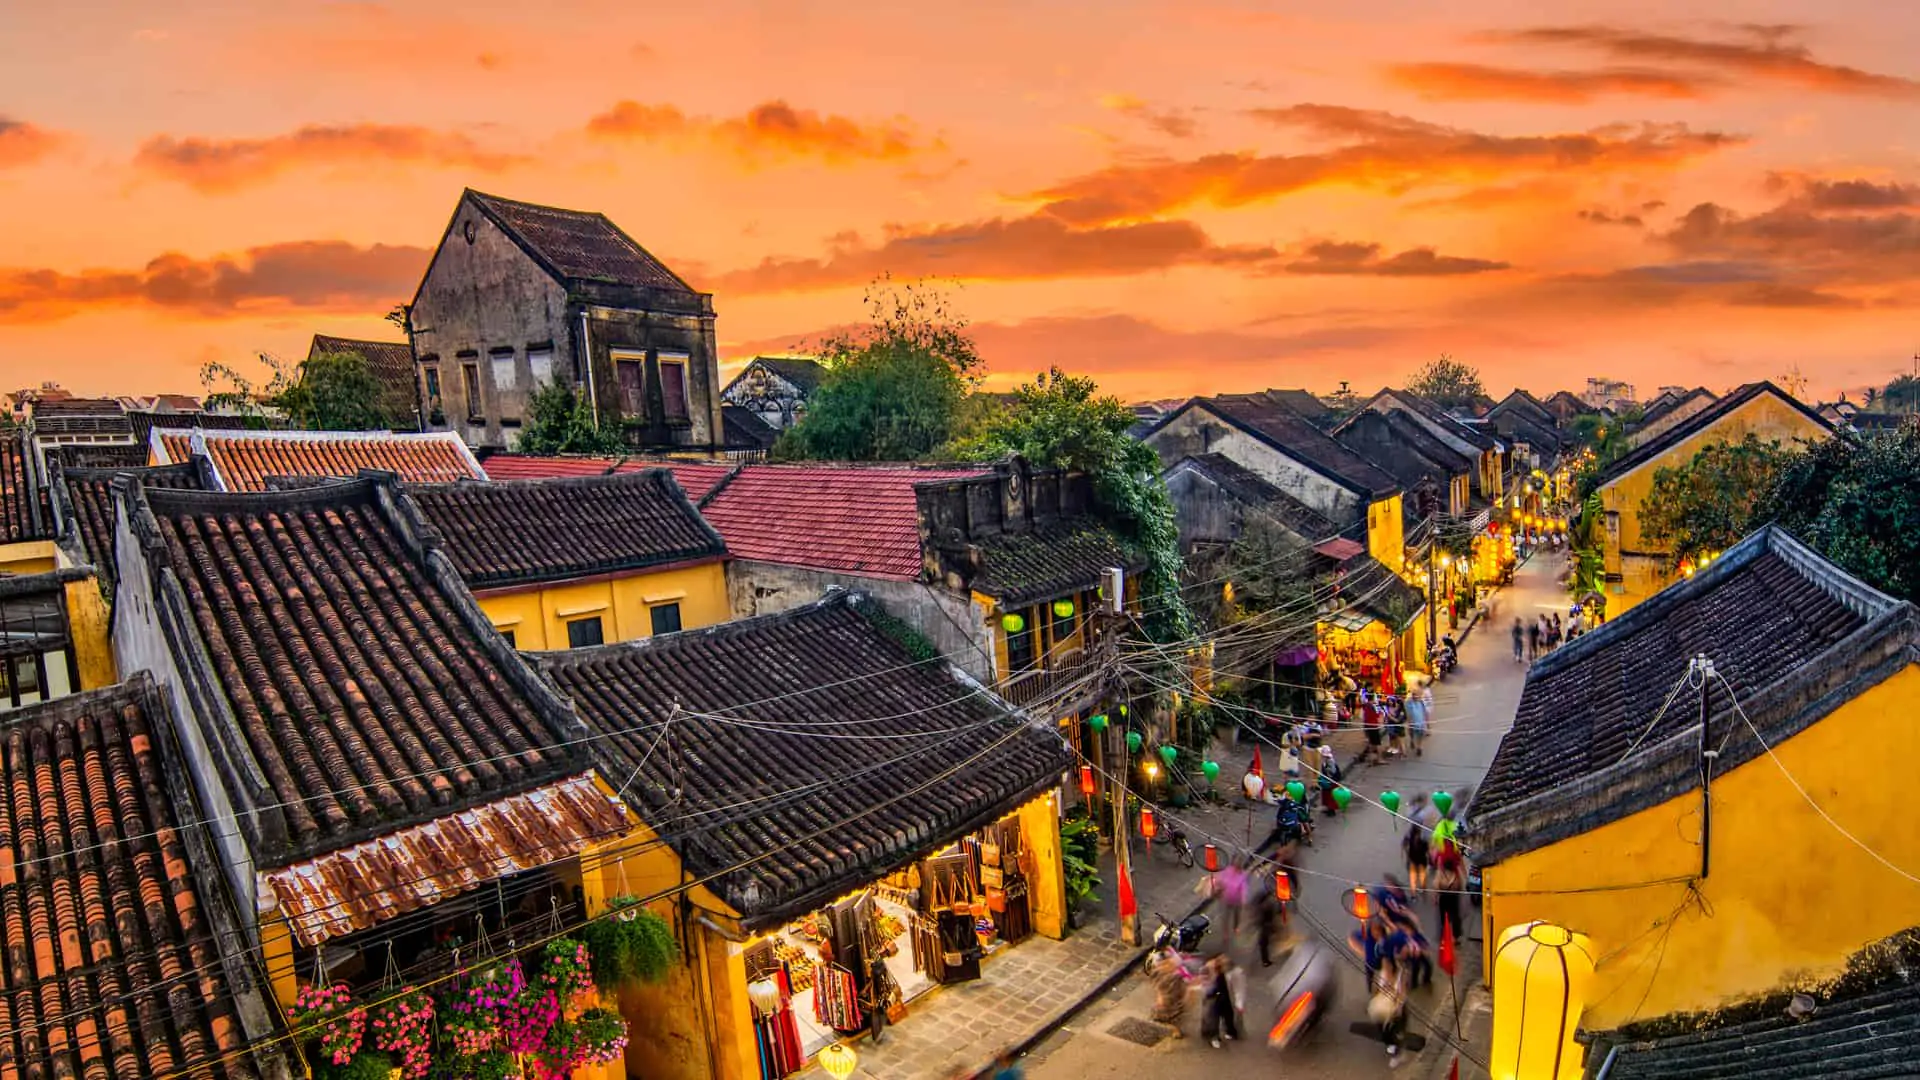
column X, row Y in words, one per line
column 1454, row 1072
column 1448, row 961
column 1255, row 768
column 1127, row 907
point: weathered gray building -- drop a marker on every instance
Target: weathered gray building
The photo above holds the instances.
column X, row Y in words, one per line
column 776, row 388
column 518, row 295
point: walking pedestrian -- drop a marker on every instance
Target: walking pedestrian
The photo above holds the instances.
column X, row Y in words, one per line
column 1233, row 896
column 1415, row 846
column 1519, row 639
column 1170, row 987
column 1220, row 1016
column 1559, row 630
column 1375, row 727
column 1270, row 914
column 1533, row 640
column 880, row 991
column 1449, row 886
column 1388, row 1008
column 1419, row 706
column 1397, row 725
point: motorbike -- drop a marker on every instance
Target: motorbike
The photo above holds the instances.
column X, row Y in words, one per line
column 1442, row 659
column 1304, row 990
column 1184, row 938
column 1293, row 821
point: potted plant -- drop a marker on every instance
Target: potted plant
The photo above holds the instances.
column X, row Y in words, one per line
column 632, row 944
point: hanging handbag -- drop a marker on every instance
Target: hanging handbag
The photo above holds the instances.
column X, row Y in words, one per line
column 978, row 909
column 996, row 899
column 992, row 877
column 990, row 854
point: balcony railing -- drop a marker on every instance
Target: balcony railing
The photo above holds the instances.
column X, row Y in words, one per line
column 1046, row 685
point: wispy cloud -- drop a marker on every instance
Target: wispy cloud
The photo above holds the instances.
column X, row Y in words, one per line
column 22, row 143
column 1174, row 123
column 770, row 132
column 1481, row 82
column 1348, row 257
column 223, row 165
column 1766, row 53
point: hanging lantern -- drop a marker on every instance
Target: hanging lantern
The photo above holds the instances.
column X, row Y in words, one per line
column 1098, row 721
column 1296, row 791
column 1212, row 769
column 765, row 996
column 1063, row 609
column 1390, row 800
column 1359, row 903
column 1123, row 710
column 1012, row 624
column 1149, row 828
column 838, row 1061
column 1169, row 754
column 1212, row 856
column 1443, row 802
column 1086, row 780
column 1253, row 786
column 1341, row 797
column 1282, row 886
column 1134, row 742
column 1538, row 1004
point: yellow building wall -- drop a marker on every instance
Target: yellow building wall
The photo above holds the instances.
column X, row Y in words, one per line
column 1047, row 889
column 1787, row 896
column 27, row 557
column 1766, row 416
column 87, row 623
column 1386, row 533
column 538, row 617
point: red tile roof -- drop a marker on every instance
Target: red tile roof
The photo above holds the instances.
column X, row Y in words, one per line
column 245, row 460
column 1339, row 548
column 115, row 968
column 24, row 514
column 852, row 518
column 697, row 478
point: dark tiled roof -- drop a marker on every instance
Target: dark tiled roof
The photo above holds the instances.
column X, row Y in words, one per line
column 525, row 531
column 1272, row 422
column 1429, row 445
column 804, row 374
column 1565, row 406
column 1366, row 585
column 96, row 456
column 116, row 969
column 697, row 478
column 1377, row 438
column 1304, row 403
column 1051, row 559
column 1879, row 421
column 1522, row 427
column 745, row 430
column 1699, row 422
column 1438, row 417
column 80, row 416
column 144, row 423
column 24, row 514
column 358, row 671
column 1769, row 613
column 88, row 511
column 1251, row 489
column 877, row 760
column 1525, row 403
column 1670, row 402
column 391, row 362
column 856, row 519
column 247, row 460
column 579, row 244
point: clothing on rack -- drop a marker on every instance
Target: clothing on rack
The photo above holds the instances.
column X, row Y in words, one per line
column 1016, row 922
column 836, row 999
column 777, row 1035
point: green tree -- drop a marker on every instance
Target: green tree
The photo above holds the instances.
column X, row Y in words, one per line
column 1857, row 501
column 1902, row 395
column 329, row 391
column 894, row 389
column 1447, row 382
column 1061, row 421
column 1710, row 502
column 560, row 421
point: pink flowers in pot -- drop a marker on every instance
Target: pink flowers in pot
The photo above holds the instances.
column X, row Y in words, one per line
column 329, row 1012
column 403, row 1026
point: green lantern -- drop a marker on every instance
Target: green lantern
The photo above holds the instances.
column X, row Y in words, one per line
column 1063, row 609
column 1169, row 754
column 1098, row 721
column 1212, row 769
column 1013, row 623
column 1123, row 710
column 1341, row 797
column 1390, row 800
column 1133, row 742
column 1443, row 802
column 1296, row 791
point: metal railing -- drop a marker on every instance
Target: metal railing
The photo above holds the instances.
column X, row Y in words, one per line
column 1059, row 674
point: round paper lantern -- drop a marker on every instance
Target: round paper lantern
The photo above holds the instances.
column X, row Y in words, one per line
column 1341, row 797
column 1169, row 754
column 1098, row 721
column 1063, row 609
column 1012, row 624
column 1212, row 769
column 838, row 1061
column 1123, row 710
column 1541, row 974
column 1390, row 800
column 1296, row 791
column 1443, row 802
column 1133, row 742
column 1086, row 779
column 765, row 995
column 1211, row 857
column 1253, row 785
column 1149, row 828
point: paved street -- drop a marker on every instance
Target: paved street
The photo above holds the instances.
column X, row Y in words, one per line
column 1474, row 707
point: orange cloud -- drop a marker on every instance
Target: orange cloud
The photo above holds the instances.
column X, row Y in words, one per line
column 221, row 165
column 1764, row 52
column 773, row 131
column 22, row 143
column 1336, row 257
column 1175, row 123
column 1479, row 82
column 308, row 275
column 1019, row 249
column 1384, row 152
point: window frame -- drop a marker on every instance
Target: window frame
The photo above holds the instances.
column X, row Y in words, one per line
column 653, row 618
column 676, row 407
column 1030, row 634
column 599, row 632
column 632, row 398
column 470, row 383
column 511, row 359
column 534, row 372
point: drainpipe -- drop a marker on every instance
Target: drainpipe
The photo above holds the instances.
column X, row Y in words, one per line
column 586, row 367
column 1607, row 1066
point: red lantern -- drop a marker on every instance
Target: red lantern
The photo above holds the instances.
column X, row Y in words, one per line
column 1359, row 903
column 1086, row 780
column 1282, row 886
column 1149, row 828
column 1212, row 855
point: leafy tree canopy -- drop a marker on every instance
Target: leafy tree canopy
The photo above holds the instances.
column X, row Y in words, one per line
column 1901, row 395
column 1710, row 502
column 1447, row 382
column 1857, row 501
column 561, row 421
column 894, row 388
column 329, row 391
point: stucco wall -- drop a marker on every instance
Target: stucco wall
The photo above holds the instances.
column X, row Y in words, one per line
column 955, row 625
column 1196, row 431
column 1787, row 897
column 1387, row 532
column 538, row 617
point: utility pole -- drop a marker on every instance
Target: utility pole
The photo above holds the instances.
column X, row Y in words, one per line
column 1704, row 668
column 1123, row 865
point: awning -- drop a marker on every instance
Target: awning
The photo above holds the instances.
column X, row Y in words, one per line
column 1349, row 620
column 1339, row 549
column 359, row 887
column 1296, row 655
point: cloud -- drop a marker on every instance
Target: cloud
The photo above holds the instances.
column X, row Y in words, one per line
column 305, row 276
column 1174, row 123
column 1766, row 53
column 1336, row 257
column 772, row 131
column 1384, row 151
column 1479, row 82
column 1832, row 247
column 224, row 165
column 1844, row 195
column 1001, row 249
column 1607, row 217
column 22, row 143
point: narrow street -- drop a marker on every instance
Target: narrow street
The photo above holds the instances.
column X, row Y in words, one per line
column 1473, row 709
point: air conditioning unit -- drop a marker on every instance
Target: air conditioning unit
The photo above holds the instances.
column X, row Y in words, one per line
column 1116, row 590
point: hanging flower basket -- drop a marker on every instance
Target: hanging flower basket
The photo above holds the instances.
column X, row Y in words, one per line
column 329, row 1014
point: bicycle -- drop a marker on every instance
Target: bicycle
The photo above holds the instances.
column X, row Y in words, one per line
column 1171, row 833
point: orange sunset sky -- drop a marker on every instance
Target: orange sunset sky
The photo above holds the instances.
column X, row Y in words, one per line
column 1176, row 197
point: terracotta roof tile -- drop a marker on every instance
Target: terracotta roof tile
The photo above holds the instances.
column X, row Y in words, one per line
column 360, row 676
column 144, row 423
column 391, row 363
column 88, row 511
column 826, row 719
column 580, row 244
column 246, row 460
column 857, row 519
column 114, row 968
column 522, row 531
column 24, row 514
column 697, row 478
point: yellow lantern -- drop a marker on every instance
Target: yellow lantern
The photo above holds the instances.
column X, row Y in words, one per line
column 1541, row 975
column 838, row 1061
